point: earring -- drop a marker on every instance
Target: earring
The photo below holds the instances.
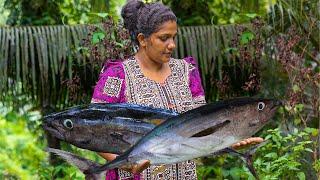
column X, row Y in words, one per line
column 135, row 48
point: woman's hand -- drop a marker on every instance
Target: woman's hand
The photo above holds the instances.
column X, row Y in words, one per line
column 108, row 156
column 137, row 168
column 247, row 142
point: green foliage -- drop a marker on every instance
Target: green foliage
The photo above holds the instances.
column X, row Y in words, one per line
column 49, row 12
column 19, row 155
column 3, row 13
column 285, row 156
column 75, row 11
column 246, row 37
column 216, row 11
column 97, row 37
column 22, row 145
column 107, row 41
column 26, row 12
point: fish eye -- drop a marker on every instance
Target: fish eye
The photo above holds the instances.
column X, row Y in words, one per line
column 68, row 123
column 261, row 106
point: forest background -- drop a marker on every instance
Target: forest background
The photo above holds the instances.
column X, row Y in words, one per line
column 266, row 48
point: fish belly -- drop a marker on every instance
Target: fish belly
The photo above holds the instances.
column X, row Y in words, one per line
column 175, row 150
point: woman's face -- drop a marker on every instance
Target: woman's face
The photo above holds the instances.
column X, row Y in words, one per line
column 160, row 45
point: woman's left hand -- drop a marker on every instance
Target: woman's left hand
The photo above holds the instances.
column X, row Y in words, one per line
column 247, row 142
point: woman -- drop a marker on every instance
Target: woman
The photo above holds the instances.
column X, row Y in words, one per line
column 152, row 78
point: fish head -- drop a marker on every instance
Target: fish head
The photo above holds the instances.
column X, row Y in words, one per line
column 104, row 127
column 252, row 115
column 76, row 125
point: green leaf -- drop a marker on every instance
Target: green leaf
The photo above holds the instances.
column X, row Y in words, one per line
column 246, row 37
column 119, row 44
column 271, row 155
column 251, row 15
column 312, row 131
column 301, row 176
column 308, row 149
column 97, row 37
column 268, row 137
column 235, row 173
column 299, row 107
column 297, row 121
column 295, row 88
column 102, row 15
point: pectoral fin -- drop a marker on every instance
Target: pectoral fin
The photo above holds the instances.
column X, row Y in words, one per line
column 82, row 163
column 211, row 129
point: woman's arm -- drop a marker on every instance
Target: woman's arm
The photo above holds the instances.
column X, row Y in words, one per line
column 133, row 169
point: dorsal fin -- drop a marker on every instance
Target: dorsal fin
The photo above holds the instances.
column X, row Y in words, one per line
column 216, row 106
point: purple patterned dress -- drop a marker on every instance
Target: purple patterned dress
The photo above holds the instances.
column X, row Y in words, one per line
column 122, row 82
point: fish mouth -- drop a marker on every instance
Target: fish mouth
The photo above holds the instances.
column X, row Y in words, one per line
column 275, row 105
column 53, row 131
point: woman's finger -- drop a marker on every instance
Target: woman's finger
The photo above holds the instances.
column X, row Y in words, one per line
column 244, row 142
column 259, row 139
column 140, row 167
column 248, row 141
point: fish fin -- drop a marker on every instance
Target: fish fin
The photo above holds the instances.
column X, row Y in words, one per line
column 254, row 148
column 211, row 129
column 246, row 157
column 228, row 150
column 81, row 163
column 119, row 136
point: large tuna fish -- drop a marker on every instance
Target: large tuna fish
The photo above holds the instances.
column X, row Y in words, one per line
column 110, row 128
column 198, row 132
column 85, row 165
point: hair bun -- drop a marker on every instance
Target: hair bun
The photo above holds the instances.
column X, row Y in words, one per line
column 130, row 12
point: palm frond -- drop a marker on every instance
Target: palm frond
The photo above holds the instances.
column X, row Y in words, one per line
column 44, row 58
column 37, row 58
column 303, row 14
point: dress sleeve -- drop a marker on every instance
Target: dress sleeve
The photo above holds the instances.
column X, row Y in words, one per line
column 198, row 95
column 110, row 87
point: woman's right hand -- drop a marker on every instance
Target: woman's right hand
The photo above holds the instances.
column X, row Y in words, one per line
column 137, row 168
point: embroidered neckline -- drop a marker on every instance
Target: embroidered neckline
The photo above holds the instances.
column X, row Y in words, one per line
column 166, row 80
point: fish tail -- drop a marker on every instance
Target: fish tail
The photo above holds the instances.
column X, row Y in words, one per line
column 249, row 162
column 81, row 163
column 246, row 157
